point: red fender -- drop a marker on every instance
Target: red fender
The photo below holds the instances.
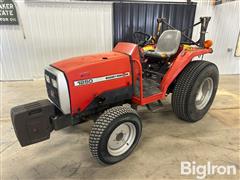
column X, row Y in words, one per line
column 181, row 61
column 179, row 64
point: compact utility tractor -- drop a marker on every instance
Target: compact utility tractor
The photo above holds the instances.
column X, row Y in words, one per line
column 109, row 86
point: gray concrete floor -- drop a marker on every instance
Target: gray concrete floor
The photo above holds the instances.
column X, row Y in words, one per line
column 165, row 142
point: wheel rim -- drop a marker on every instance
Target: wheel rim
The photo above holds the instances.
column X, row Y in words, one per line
column 204, row 93
column 121, row 139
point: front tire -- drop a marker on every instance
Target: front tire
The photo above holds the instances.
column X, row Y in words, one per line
column 195, row 90
column 115, row 134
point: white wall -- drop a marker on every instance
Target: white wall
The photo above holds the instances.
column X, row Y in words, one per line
column 223, row 30
column 56, row 31
column 53, row 31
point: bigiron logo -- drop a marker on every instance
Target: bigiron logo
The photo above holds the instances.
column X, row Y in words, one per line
column 100, row 79
column 202, row 171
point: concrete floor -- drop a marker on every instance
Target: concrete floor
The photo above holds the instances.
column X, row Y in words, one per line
column 165, row 142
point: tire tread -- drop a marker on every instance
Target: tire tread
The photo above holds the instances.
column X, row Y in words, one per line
column 183, row 88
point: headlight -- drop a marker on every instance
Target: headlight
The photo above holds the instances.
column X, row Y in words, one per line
column 54, row 83
column 47, row 78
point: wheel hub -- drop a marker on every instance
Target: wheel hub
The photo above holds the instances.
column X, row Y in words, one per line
column 204, row 93
column 119, row 136
column 121, row 139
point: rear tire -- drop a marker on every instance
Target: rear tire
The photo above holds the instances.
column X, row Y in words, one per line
column 115, row 134
column 195, row 90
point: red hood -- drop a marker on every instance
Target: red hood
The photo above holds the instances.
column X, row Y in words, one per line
column 75, row 63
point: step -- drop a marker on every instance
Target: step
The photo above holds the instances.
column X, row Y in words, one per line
column 155, row 106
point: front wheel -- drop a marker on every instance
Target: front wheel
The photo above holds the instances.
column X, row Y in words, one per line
column 115, row 134
column 195, row 90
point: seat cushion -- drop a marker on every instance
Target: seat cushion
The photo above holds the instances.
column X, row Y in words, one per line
column 169, row 42
column 167, row 45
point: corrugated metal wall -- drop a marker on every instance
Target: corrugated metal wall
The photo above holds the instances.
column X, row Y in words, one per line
column 53, row 31
column 131, row 17
column 223, row 29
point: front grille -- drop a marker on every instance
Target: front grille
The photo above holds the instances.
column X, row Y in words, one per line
column 51, row 90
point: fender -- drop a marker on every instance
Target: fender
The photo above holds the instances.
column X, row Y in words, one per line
column 182, row 60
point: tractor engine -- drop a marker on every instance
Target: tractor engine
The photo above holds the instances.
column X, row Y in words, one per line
column 88, row 83
column 155, row 68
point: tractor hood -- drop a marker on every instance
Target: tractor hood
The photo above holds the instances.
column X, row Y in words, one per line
column 91, row 76
column 80, row 80
column 77, row 63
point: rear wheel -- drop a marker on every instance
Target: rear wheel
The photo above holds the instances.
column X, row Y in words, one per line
column 195, row 90
column 115, row 134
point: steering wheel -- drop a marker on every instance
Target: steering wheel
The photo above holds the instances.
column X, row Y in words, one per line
column 142, row 38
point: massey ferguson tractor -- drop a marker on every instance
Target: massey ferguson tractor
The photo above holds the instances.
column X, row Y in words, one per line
column 108, row 87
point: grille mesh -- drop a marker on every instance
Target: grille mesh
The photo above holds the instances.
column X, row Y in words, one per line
column 51, row 90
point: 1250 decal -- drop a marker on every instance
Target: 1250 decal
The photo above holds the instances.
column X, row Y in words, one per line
column 100, row 79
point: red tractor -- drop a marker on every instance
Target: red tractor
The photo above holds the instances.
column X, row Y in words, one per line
column 111, row 85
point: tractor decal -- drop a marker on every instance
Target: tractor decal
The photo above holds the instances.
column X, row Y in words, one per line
column 100, row 79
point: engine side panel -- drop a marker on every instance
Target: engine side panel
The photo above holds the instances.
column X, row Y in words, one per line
column 109, row 99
